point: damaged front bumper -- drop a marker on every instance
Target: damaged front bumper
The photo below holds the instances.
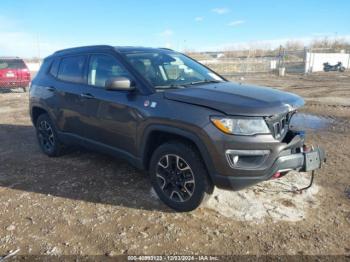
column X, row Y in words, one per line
column 295, row 155
column 308, row 158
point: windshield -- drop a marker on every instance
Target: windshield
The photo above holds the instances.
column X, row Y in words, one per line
column 171, row 70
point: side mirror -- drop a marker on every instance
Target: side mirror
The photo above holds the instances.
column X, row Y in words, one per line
column 120, row 83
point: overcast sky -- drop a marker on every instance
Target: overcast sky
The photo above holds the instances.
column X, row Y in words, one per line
column 39, row 27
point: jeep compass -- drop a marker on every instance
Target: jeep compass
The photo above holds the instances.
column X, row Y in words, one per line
column 188, row 127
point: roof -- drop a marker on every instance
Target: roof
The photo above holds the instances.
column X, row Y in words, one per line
column 121, row 49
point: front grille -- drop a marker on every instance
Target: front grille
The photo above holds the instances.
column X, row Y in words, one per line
column 279, row 124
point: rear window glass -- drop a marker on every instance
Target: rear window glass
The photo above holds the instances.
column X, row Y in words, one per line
column 12, row 64
column 71, row 69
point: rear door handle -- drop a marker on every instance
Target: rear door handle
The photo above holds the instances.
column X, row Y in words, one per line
column 87, row 95
column 51, row 89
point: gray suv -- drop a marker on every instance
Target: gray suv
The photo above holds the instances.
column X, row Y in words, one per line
column 169, row 115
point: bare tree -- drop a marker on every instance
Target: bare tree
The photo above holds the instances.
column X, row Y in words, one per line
column 334, row 44
column 293, row 45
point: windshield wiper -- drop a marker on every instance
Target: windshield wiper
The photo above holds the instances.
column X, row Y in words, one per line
column 169, row 86
column 206, row 81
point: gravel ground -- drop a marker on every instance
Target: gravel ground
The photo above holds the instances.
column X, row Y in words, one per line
column 86, row 203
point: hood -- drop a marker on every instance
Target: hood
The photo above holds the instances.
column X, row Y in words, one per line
column 236, row 99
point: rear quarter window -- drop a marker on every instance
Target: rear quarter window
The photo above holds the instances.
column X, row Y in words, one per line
column 54, row 67
column 71, row 69
column 44, row 67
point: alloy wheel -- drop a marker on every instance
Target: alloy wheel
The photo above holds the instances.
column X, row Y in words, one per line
column 46, row 135
column 175, row 178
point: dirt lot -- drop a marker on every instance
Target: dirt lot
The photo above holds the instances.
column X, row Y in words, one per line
column 86, row 203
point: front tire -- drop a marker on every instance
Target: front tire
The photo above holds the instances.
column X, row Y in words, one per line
column 179, row 176
column 47, row 136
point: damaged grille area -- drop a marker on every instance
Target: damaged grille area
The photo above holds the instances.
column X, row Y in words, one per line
column 279, row 124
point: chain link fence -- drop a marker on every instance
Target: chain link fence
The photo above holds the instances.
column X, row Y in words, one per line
column 233, row 63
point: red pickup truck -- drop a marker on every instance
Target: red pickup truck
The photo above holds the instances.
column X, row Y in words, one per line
column 13, row 73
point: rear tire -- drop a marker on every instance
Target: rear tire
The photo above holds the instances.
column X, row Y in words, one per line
column 179, row 176
column 47, row 136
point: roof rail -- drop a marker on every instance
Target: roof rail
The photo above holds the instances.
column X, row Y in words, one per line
column 165, row 48
column 83, row 48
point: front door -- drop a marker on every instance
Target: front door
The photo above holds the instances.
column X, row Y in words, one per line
column 112, row 118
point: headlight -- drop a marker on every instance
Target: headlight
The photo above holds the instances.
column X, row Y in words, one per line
column 241, row 126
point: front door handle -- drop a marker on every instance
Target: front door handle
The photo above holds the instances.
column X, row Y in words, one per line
column 87, row 95
column 51, row 89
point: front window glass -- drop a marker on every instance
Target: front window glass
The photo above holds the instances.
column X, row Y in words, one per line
column 170, row 70
column 102, row 68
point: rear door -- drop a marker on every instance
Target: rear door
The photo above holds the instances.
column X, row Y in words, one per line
column 69, row 87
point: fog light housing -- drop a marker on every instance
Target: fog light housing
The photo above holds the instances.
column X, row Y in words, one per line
column 248, row 159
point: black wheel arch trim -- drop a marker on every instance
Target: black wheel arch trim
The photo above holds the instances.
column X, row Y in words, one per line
column 178, row 132
column 46, row 109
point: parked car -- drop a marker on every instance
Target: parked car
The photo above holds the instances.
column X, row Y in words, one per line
column 186, row 125
column 14, row 73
